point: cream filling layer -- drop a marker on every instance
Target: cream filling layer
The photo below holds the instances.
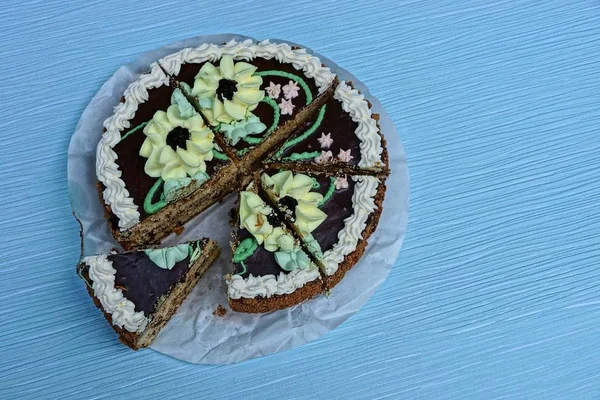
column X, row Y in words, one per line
column 113, row 301
column 115, row 193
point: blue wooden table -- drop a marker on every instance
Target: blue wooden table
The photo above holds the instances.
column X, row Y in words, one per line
column 496, row 293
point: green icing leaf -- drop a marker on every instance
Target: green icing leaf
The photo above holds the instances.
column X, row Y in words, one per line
column 245, row 249
column 186, row 110
column 195, row 251
column 236, row 131
column 167, row 258
column 290, row 260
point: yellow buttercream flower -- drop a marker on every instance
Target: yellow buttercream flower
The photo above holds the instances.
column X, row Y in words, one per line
column 307, row 212
column 176, row 146
column 228, row 92
column 253, row 216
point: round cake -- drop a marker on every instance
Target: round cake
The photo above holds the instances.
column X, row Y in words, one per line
column 269, row 121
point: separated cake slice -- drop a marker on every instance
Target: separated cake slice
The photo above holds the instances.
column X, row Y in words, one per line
column 155, row 153
column 346, row 135
column 271, row 271
column 333, row 214
column 139, row 291
column 253, row 94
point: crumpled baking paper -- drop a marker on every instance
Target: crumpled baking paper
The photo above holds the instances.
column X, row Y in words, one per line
column 194, row 334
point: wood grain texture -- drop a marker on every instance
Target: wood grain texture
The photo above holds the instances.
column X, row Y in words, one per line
column 495, row 293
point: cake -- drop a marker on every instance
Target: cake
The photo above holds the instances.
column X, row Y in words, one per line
column 270, row 121
column 139, row 291
column 271, row 271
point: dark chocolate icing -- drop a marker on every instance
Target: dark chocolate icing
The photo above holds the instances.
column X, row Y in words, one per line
column 342, row 128
column 263, row 111
column 261, row 263
column 144, row 282
column 338, row 208
column 131, row 164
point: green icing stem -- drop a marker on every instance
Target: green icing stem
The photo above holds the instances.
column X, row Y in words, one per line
column 137, row 128
column 244, row 270
column 302, row 156
column 305, row 135
column 329, row 191
column 219, row 156
column 148, row 206
column 293, row 77
column 276, row 114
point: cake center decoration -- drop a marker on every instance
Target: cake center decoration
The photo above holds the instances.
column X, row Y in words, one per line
column 226, row 89
column 178, row 137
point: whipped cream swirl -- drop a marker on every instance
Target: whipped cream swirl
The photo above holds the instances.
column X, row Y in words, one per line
column 113, row 301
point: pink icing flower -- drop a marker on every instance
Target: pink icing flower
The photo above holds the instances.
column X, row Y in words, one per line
column 345, row 156
column 286, row 107
column 273, row 90
column 341, row 183
column 290, row 90
column 324, row 157
column 325, row 140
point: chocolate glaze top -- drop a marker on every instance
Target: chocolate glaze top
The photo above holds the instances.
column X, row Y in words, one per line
column 263, row 111
column 131, row 164
column 144, row 282
column 338, row 208
column 261, row 263
column 342, row 128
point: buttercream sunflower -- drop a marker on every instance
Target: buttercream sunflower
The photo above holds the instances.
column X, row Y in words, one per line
column 308, row 216
column 227, row 92
column 176, row 146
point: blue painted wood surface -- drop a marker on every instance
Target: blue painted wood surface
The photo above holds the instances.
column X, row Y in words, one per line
column 496, row 291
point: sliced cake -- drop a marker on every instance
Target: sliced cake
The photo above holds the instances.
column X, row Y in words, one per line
column 271, row 271
column 333, row 214
column 139, row 291
column 346, row 135
column 253, row 94
column 155, row 153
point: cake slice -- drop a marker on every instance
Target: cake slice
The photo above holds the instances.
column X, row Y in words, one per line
column 155, row 153
column 139, row 291
column 270, row 269
column 347, row 136
column 253, row 94
column 333, row 214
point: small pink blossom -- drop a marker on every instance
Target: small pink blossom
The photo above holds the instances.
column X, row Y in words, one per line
column 324, row 157
column 345, row 156
column 273, row 90
column 290, row 90
column 325, row 140
column 341, row 183
column 286, row 107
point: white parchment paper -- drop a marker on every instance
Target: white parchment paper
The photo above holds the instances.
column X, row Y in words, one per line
column 194, row 334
